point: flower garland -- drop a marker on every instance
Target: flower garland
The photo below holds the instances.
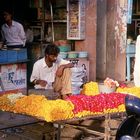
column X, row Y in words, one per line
column 129, row 90
column 90, row 88
column 39, row 106
column 99, row 104
column 73, row 106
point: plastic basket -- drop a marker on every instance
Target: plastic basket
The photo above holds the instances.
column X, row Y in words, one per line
column 104, row 89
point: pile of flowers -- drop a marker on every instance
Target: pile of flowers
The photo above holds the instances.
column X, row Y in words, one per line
column 111, row 83
column 89, row 102
column 129, row 90
column 74, row 106
column 99, row 104
column 40, row 107
column 90, row 88
column 7, row 101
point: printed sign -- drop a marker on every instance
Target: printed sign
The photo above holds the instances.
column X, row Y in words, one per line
column 83, row 64
column 13, row 77
column 76, row 19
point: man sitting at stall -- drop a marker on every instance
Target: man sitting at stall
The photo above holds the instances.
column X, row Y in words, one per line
column 52, row 72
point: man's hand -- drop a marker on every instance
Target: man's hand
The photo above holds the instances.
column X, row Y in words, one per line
column 60, row 70
column 43, row 83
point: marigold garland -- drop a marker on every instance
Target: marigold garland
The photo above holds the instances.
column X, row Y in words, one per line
column 129, row 90
column 39, row 106
column 90, row 88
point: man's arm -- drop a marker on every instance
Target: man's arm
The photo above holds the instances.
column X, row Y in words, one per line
column 3, row 36
column 61, row 68
column 22, row 35
column 42, row 83
column 35, row 76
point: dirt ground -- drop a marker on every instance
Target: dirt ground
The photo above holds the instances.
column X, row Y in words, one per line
column 77, row 130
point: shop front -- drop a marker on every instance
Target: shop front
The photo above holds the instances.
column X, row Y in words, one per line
column 78, row 27
column 91, row 35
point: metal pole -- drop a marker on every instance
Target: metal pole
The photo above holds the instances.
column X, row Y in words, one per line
column 1, row 85
column 43, row 21
column 52, row 20
column 59, row 131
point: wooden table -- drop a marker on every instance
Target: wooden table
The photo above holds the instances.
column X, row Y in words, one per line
column 106, row 135
column 12, row 120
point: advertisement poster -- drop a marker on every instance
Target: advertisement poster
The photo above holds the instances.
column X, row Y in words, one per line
column 76, row 19
column 13, row 77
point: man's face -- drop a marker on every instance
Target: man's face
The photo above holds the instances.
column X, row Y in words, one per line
column 7, row 16
column 51, row 58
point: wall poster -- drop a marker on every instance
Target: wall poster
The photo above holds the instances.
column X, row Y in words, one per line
column 76, row 19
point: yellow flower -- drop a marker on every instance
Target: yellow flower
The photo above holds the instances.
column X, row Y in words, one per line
column 90, row 88
column 132, row 91
column 49, row 110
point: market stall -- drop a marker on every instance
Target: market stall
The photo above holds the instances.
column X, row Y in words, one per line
column 91, row 103
column 87, row 105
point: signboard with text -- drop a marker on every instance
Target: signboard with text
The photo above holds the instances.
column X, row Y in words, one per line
column 13, row 77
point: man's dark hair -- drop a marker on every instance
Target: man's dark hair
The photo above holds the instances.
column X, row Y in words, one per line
column 9, row 11
column 52, row 49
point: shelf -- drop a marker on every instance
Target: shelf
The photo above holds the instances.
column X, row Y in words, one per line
column 136, row 14
column 57, row 21
column 15, row 62
column 60, row 7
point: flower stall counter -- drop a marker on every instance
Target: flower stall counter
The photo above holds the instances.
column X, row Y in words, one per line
column 90, row 103
column 76, row 107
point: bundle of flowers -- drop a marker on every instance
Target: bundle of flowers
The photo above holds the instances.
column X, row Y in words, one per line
column 30, row 105
column 129, row 90
column 74, row 106
column 111, row 83
column 90, row 88
column 57, row 110
column 7, row 101
column 49, row 110
column 98, row 104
